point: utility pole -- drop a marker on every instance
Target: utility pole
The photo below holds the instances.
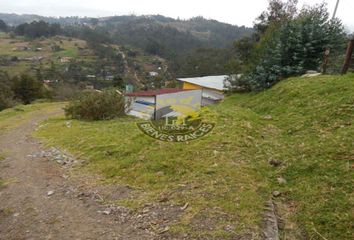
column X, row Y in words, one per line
column 335, row 10
column 328, row 50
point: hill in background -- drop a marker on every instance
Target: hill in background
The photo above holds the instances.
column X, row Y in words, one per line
column 210, row 32
column 152, row 43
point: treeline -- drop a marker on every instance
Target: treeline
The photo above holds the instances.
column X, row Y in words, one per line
column 38, row 29
column 155, row 39
column 34, row 29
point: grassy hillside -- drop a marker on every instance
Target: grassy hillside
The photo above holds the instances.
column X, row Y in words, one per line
column 211, row 33
column 22, row 55
column 19, row 55
column 303, row 124
column 12, row 117
column 316, row 143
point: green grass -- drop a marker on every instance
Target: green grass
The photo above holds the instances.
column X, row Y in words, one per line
column 214, row 174
column 225, row 176
column 9, row 48
column 12, row 117
column 315, row 117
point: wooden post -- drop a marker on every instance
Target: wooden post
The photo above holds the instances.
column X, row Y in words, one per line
column 325, row 61
column 326, row 54
column 348, row 56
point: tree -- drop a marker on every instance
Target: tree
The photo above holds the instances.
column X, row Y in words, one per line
column 277, row 12
column 3, row 26
column 27, row 88
column 38, row 29
column 94, row 21
column 92, row 105
column 158, row 82
column 290, row 43
column 118, row 82
column 202, row 62
column 6, row 93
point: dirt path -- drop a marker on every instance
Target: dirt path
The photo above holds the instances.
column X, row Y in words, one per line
column 26, row 210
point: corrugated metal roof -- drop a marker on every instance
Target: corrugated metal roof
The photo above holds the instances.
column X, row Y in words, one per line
column 151, row 93
column 214, row 82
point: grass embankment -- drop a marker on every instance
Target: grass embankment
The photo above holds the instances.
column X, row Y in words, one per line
column 12, row 117
column 225, row 176
column 316, row 119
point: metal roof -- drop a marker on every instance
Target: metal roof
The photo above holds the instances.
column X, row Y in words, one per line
column 214, row 82
column 151, row 93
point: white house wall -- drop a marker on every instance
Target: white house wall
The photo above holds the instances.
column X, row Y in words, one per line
column 142, row 107
column 211, row 97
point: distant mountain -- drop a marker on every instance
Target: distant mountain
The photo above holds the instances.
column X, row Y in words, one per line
column 16, row 19
column 195, row 31
column 210, row 32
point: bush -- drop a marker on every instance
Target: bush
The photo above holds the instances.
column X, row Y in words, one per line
column 292, row 42
column 27, row 88
column 6, row 94
column 96, row 105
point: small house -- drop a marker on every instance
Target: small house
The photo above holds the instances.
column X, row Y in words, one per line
column 157, row 104
column 212, row 87
column 91, row 76
column 109, row 78
column 153, row 74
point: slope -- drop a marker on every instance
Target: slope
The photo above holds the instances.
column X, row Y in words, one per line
column 304, row 125
column 72, row 60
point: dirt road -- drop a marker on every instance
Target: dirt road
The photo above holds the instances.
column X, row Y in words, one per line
column 39, row 201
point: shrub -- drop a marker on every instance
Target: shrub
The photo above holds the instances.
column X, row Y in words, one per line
column 27, row 88
column 92, row 105
column 6, row 94
column 290, row 42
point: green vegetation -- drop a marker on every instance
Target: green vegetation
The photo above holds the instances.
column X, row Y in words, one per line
column 288, row 42
column 27, row 88
column 104, row 105
column 67, row 62
column 175, row 40
column 212, row 180
column 6, row 93
column 315, row 142
column 305, row 124
column 37, row 29
column 3, row 26
column 12, row 117
column 39, row 56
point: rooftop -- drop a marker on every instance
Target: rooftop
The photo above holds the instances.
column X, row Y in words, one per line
column 214, row 82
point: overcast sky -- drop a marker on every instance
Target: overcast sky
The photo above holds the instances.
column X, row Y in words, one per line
column 240, row 12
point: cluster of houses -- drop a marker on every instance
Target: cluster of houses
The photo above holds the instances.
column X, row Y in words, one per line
column 194, row 92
